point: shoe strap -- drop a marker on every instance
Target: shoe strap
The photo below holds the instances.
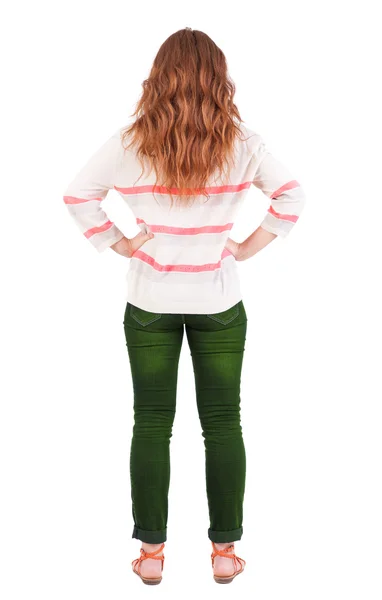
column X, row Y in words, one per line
column 145, row 554
column 226, row 554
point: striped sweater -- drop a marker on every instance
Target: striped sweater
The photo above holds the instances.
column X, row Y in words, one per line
column 185, row 267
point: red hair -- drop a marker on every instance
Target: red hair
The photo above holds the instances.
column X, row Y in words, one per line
column 186, row 119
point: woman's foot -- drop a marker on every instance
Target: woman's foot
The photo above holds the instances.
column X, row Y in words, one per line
column 224, row 566
column 151, row 567
column 223, row 573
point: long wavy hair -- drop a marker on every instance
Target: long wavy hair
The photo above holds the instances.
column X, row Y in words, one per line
column 186, row 121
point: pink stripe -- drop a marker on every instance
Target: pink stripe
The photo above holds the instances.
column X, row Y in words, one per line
column 73, row 200
column 218, row 189
column 292, row 218
column 287, row 186
column 179, row 268
column 225, row 253
column 99, row 229
column 187, row 230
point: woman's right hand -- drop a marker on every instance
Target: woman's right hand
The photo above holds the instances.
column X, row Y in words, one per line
column 127, row 246
column 233, row 247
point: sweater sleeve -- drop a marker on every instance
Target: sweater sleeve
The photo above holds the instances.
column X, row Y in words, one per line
column 84, row 194
column 287, row 198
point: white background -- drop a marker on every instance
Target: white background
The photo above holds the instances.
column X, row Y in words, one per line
column 307, row 78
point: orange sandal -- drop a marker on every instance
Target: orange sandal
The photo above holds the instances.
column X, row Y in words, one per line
column 238, row 562
column 137, row 562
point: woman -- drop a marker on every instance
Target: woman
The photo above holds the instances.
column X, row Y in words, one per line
column 184, row 166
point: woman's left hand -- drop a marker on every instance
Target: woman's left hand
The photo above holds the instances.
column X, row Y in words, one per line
column 127, row 246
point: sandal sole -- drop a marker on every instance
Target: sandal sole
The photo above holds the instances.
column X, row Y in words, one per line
column 147, row 580
column 226, row 579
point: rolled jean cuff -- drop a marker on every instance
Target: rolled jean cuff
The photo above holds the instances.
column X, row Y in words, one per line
column 225, row 536
column 150, row 537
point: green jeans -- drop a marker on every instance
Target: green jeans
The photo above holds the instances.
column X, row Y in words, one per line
column 216, row 343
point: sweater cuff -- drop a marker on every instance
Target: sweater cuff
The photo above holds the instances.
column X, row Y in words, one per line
column 279, row 227
column 102, row 241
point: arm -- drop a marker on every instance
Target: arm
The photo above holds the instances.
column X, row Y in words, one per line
column 287, row 200
column 254, row 243
column 90, row 186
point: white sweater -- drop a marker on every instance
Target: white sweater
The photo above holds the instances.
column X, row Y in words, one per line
column 184, row 268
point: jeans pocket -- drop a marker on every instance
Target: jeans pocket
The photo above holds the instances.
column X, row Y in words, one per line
column 226, row 316
column 143, row 317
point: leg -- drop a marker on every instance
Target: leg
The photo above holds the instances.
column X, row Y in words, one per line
column 154, row 343
column 217, row 347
